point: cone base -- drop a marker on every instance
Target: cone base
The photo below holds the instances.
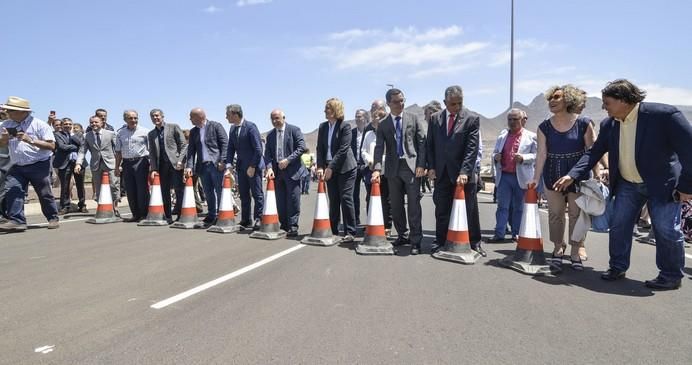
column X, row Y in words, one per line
column 385, row 249
column 466, row 258
column 224, row 229
column 268, row 235
column 183, row 225
column 103, row 220
column 527, row 262
column 77, row 214
column 153, row 223
column 320, row 241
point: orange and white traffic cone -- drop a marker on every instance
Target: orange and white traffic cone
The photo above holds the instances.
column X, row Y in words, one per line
column 155, row 216
column 188, row 212
column 529, row 257
column 225, row 222
column 270, row 229
column 321, row 228
column 104, row 212
column 375, row 241
column 457, row 247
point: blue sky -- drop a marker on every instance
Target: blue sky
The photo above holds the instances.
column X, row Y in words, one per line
column 75, row 56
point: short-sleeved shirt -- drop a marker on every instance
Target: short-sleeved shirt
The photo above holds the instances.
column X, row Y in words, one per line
column 22, row 153
column 132, row 143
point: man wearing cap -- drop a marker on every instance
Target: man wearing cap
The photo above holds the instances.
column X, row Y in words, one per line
column 31, row 144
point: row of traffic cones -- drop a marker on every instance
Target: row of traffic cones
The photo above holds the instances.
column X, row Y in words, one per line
column 528, row 258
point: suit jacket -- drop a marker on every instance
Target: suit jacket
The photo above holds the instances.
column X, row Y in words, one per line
column 458, row 152
column 64, row 145
column 173, row 143
column 247, row 145
column 414, row 144
column 105, row 152
column 662, row 150
column 294, row 146
column 355, row 147
column 215, row 139
column 528, row 145
column 342, row 154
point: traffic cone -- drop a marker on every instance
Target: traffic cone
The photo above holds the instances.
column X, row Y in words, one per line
column 155, row 216
column 375, row 241
column 529, row 257
column 225, row 222
column 457, row 247
column 104, row 212
column 188, row 212
column 269, row 230
column 321, row 228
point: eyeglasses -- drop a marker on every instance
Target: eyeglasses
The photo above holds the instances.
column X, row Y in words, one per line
column 555, row 97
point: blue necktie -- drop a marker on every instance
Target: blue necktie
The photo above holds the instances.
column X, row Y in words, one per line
column 399, row 138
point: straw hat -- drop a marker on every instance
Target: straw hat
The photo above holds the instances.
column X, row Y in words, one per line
column 16, row 103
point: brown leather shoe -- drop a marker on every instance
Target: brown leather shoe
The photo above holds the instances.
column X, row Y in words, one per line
column 53, row 224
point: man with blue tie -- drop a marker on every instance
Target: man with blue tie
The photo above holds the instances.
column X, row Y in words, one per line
column 244, row 140
column 285, row 145
column 453, row 138
column 403, row 135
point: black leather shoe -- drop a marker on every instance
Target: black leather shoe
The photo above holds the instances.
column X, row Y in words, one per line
column 400, row 242
column 292, row 233
column 661, row 283
column 480, row 250
column 256, row 226
column 415, row 250
column 245, row 224
column 612, row 275
column 496, row 239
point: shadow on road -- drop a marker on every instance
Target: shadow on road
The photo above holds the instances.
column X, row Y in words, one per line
column 588, row 279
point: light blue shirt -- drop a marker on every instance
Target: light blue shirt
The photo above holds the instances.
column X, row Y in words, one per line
column 329, row 140
column 132, row 143
column 22, row 153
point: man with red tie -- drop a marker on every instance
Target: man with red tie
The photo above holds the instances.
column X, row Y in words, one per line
column 452, row 149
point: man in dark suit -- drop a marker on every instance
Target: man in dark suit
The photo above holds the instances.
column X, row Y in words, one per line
column 403, row 135
column 282, row 152
column 206, row 156
column 452, row 145
column 167, row 149
column 244, row 139
column 650, row 162
column 357, row 139
column 65, row 146
column 336, row 163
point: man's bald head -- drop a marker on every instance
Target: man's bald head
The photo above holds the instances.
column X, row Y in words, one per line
column 278, row 118
column 198, row 116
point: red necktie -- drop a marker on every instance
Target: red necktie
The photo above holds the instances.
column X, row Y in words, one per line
column 450, row 124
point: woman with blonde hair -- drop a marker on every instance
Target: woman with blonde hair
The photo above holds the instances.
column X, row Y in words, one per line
column 562, row 140
column 336, row 163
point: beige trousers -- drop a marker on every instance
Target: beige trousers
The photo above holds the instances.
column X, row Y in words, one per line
column 556, row 216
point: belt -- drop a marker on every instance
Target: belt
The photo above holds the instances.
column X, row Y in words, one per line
column 133, row 158
column 207, row 162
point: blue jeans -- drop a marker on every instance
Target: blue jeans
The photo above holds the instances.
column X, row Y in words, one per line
column 17, row 183
column 665, row 221
column 509, row 195
column 212, row 183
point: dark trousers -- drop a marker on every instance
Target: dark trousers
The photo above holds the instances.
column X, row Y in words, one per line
column 305, row 183
column 340, row 192
column 287, row 200
column 212, row 184
column 65, row 176
column 384, row 197
column 356, row 194
column 425, row 182
column 171, row 178
column 443, row 197
column 135, row 174
column 17, row 183
column 3, row 190
column 79, row 185
column 250, row 187
column 406, row 183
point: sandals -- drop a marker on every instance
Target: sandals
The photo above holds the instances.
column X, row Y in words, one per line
column 582, row 254
column 576, row 264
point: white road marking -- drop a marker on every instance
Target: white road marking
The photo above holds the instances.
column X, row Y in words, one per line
column 44, row 349
column 688, row 256
column 70, row 220
column 210, row 284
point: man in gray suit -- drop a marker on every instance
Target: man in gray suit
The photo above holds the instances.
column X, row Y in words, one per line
column 403, row 135
column 167, row 150
column 101, row 144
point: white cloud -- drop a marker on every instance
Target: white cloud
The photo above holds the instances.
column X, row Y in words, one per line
column 242, row 3
column 441, row 70
column 401, row 53
column 211, row 9
column 668, row 95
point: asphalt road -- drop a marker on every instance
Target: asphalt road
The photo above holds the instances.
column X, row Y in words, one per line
column 83, row 294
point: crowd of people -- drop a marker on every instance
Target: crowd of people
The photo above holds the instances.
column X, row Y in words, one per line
column 641, row 151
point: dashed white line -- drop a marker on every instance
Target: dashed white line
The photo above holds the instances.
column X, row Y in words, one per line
column 210, row 284
column 44, row 349
column 688, row 256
